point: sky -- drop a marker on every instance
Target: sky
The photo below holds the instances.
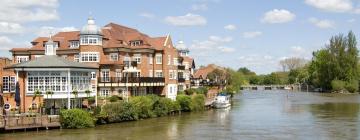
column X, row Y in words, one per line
column 256, row 34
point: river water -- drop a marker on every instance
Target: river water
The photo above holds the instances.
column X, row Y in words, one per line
column 253, row 115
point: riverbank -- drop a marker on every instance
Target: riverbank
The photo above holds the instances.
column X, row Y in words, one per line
column 138, row 108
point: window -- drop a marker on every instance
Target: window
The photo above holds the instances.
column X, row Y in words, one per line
column 93, row 75
column 158, row 58
column 90, row 57
column 137, row 58
column 9, row 84
column 20, row 59
column 150, row 73
column 176, row 61
column 136, row 43
column 158, row 73
column 114, row 57
column 150, row 59
column 118, row 74
column 74, row 44
column 93, row 87
column 169, row 59
column 171, row 74
column 105, row 92
column 5, row 84
column 138, row 74
column 105, row 75
column 80, row 81
column 77, row 58
column 90, row 40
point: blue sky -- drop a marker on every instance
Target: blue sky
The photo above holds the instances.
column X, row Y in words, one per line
column 231, row 33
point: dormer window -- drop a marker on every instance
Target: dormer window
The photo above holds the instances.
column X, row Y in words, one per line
column 136, row 43
column 114, row 57
column 74, row 44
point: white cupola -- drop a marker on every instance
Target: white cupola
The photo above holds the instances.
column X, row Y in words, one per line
column 90, row 33
column 50, row 47
column 181, row 47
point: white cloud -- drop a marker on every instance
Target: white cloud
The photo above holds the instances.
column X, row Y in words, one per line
column 47, row 30
column 324, row 24
column 255, row 60
column 230, row 27
column 28, row 10
column 11, row 28
column 199, row 7
column 6, row 43
column 278, row 16
column 351, row 20
column 226, row 49
column 331, row 5
column 213, row 44
column 252, row 34
column 147, row 15
column 186, row 20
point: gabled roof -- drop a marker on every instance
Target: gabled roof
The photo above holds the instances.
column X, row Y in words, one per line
column 204, row 71
column 51, row 61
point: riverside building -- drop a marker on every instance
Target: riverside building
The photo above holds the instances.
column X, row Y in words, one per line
column 109, row 60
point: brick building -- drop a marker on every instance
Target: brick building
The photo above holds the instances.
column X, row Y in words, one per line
column 127, row 62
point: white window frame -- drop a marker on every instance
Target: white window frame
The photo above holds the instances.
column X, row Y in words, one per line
column 114, row 56
column 74, row 44
column 176, row 61
column 77, row 57
column 137, row 58
column 90, row 57
column 93, row 75
column 150, row 59
column 90, row 40
column 135, row 43
column 159, row 73
column 169, row 60
column 20, row 59
column 105, row 92
column 171, row 74
column 105, row 75
column 158, row 58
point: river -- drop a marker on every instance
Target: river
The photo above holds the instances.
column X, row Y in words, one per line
column 253, row 115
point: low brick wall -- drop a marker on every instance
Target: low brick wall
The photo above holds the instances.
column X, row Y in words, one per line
column 24, row 121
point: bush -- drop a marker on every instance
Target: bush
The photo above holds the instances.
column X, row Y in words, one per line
column 352, row 86
column 197, row 102
column 181, row 92
column 184, row 101
column 337, row 85
column 175, row 106
column 190, row 91
column 144, row 106
column 119, row 111
column 202, row 90
column 163, row 106
column 91, row 100
column 76, row 118
column 113, row 98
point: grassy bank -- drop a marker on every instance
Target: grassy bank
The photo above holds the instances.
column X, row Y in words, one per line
column 140, row 107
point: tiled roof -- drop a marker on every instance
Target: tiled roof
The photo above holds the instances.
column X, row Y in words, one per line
column 204, row 71
column 51, row 61
column 114, row 35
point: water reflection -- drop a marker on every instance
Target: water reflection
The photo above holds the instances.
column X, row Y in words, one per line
column 253, row 115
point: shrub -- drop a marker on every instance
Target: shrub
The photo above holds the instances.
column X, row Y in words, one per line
column 202, row 90
column 190, row 91
column 119, row 111
column 181, row 92
column 337, row 85
column 91, row 100
column 76, row 118
column 352, row 86
column 197, row 102
column 113, row 98
column 144, row 106
column 163, row 106
column 175, row 106
column 184, row 101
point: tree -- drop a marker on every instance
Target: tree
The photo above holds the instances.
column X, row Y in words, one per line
column 292, row 63
column 337, row 61
column 246, row 71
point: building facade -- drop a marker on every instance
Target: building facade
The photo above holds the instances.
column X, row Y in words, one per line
column 127, row 62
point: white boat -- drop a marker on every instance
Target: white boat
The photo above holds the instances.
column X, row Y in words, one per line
column 222, row 101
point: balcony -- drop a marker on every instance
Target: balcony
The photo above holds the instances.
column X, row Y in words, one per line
column 130, row 81
column 181, row 80
column 181, row 67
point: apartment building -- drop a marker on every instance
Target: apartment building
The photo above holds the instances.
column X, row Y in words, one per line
column 127, row 62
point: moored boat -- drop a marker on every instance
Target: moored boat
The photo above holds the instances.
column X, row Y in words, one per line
column 222, row 101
